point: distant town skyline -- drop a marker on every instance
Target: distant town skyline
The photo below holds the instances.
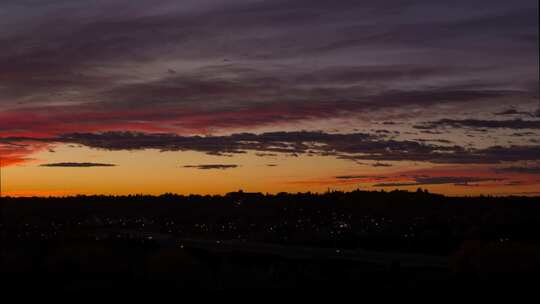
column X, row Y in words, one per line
column 213, row 96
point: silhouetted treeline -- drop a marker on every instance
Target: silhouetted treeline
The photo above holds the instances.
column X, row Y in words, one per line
column 397, row 220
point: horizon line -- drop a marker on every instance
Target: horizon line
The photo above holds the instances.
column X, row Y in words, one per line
column 424, row 191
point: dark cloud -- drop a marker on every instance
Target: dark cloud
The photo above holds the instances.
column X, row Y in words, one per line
column 526, row 170
column 440, row 180
column 352, row 146
column 429, row 132
column 211, row 166
column 476, row 123
column 359, row 177
column 351, row 176
column 514, row 183
column 441, row 141
column 513, row 111
column 521, row 134
column 77, row 165
column 266, row 154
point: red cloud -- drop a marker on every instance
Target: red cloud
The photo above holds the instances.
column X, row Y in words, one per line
column 16, row 154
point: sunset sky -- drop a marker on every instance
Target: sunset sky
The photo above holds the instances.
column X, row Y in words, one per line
column 212, row 96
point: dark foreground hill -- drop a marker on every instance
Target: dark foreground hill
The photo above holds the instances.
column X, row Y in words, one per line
column 336, row 240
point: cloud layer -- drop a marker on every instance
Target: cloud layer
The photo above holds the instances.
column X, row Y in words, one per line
column 76, row 165
column 440, row 180
column 128, row 65
column 353, row 146
column 481, row 124
column 211, row 166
